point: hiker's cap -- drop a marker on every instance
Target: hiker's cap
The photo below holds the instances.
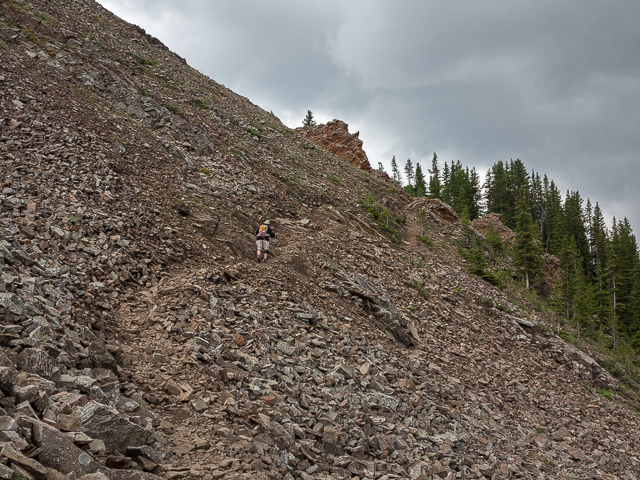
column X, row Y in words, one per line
column 267, row 222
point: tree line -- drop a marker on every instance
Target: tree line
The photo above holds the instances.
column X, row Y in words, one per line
column 597, row 285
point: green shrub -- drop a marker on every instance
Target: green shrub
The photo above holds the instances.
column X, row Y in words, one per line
column 487, row 302
column 417, row 285
column 172, row 108
column 427, row 242
column 382, row 217
column 613, row 367
column 504, row 308
column 335, row 179
column 200, row 104
column 142, row 60
column 606, row 393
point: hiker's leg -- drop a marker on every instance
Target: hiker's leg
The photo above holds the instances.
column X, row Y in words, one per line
column 266, row 250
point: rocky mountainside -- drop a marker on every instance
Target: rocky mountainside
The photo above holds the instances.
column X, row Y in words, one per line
column 139, row 338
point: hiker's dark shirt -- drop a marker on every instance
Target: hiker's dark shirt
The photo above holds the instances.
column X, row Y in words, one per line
column 268, row 235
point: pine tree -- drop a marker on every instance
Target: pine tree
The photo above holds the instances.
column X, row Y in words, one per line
column 395, row 173
column 526, row 248
column 574, row 226
column 474, row 194
column 435, row 187
column 494, row 242
column 420, row 185
column 553, row 226
column 445, row 193
column 614, row 284
column 497, row 192
column 504, row 183
column 308, row 120
column 408, row 171
column 536, row 201
column 380, row 167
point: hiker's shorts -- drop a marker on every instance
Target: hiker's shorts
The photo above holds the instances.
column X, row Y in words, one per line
column 262, row 245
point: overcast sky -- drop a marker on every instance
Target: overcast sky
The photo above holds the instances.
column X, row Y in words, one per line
column 554, row 83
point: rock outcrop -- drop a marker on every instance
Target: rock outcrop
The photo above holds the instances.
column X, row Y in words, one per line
column 494, row 219
column 334, row 137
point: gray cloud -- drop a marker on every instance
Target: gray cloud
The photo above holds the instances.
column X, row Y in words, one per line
column 556, row 84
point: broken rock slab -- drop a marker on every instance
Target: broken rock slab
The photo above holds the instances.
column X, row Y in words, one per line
column 35, row 468
column 56, row 451
column 106, row 423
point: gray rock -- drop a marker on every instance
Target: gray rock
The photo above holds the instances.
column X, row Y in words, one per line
column 117, row 432
column 35, row 468
column 5, row 473
column 35, row 360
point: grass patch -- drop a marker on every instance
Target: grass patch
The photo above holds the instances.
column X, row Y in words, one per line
column 608, row 394
column 616, row 370
column 427, row 242
column 48, row 19
column 504, row 308
column 143, row 60
column 334, row 179
column 199, row 103
column 417, row 285
column 172, row 108
column 251, row 131
column 383, row 217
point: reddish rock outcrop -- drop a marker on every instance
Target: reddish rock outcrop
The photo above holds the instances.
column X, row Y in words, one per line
column 443, row 211
column 334, row 136
column 482, row 225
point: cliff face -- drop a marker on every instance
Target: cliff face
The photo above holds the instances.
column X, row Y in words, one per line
column 334, row 137
column 140, row 338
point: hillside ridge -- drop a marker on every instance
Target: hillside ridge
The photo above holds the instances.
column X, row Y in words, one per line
column 140, row 339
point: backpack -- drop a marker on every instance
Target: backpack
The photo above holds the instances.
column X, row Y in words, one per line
column 263, row 232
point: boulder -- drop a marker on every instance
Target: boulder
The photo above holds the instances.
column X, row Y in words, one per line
column 56, row 451
column 35, row 468
column 35, row 360
column 118, row 432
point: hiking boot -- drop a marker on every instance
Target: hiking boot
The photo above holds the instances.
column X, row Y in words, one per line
column 259, row 259
column 264, row 261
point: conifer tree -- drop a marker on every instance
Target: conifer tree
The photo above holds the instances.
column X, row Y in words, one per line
column 526, row 248
column 395, row 173
column 445, row 193
column 408, row 171
column 308, row 120
column 380, row 167
column 553, row 225
column 574, row 225
column 435, row 187
column 497, row 192
column 420, row 188
column 536, row 201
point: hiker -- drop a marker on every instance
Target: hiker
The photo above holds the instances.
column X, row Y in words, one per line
column 263, row 235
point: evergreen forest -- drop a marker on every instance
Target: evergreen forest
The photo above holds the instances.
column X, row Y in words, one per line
column 596, row 288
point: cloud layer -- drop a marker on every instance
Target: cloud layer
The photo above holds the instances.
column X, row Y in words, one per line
column 556, row 84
